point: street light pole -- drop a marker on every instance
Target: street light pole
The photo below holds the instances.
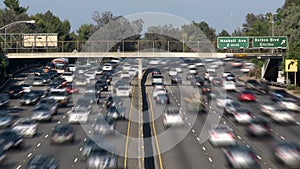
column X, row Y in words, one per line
column 12, row 24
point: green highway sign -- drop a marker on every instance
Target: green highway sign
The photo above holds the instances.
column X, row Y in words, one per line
column 232, row 42
column 270, row 42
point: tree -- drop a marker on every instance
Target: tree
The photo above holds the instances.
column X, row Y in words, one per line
column 85, row 31
column 210, row 32
column 224, row 33
column 14, row 5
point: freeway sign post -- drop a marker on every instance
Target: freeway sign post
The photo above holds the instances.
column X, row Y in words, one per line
column 232, row 42
column 270, row 42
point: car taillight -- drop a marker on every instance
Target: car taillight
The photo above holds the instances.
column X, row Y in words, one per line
column 230, row 134
column 237, row 114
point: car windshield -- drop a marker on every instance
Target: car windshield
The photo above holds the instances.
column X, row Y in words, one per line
column 57, row 93
column 39, row 159
column 173, row 111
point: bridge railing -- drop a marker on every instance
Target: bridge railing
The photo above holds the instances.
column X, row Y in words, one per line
column 15, row 43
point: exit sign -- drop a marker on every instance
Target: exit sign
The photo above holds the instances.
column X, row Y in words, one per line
column 232, row 42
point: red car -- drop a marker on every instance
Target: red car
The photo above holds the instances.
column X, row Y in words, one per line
column 70, row 88
column 247, row 96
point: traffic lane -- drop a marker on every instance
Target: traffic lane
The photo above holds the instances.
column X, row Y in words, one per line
column 186, row 145
column 286, row 131
column 262, row 148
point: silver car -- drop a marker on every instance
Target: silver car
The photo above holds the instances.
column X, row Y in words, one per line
column 288, row 153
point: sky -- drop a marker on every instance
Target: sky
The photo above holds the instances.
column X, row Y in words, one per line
column 219, row 14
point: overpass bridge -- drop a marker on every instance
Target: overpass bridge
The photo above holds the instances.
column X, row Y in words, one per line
column 139, row 55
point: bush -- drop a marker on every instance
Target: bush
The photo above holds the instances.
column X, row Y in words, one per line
column 291, row 87
column 297, row 91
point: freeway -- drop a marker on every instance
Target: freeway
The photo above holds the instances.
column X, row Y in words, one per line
column 142, row 134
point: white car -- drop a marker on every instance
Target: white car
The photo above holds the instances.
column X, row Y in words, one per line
column 267, row 108
column 243, row 116
column 123, row 91
column 282, row 115
column 79, row 114
column 172, row 72
column 126, row 67
column 289, row 103
column 91, row 75
column 124, row 74
column 172, row 117
column 159, row 89
column 26, row 87
column 225, row 74
column 247, row 67
column 178, row 69
column 107, row 67
column 132, row 72
column 72, row 67
column 68, row 76
column 26, row 127
column 222, row 135
column 229, row 85
column 221, row 101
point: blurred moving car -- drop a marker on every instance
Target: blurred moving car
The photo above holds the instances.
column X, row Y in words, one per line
column 10, row 139
column 30, row 98
column 288, row 153
column 43, row 161
column 60, row 95
column 267, row 107
column 172, row 117
column 252, row 84
column 104, row 125
column 289, row 103
column 26, row 127
column 221, row 135
column 282, row 115
column 230, row 77
column 229, row 85
column 259, row 126
column 42, row 112
column 162, row 98
column 62, row 133
column 38, row 81
column 26, row 87
column 79, row 114
column 51, row 103
column 5, row 119
column 4, row 99
column 102, row 158
column 243, row 116
column 175, row 79
column 231, row 107
column 277, row 94
column 241, row 156
column 16, row 91
column 247, row 95
column 116, row 112
column 222, row 100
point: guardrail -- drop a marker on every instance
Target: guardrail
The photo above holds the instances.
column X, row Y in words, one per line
column 15, row 73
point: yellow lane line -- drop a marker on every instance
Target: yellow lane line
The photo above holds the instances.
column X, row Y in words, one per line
column 128, row 131
column 154, row 132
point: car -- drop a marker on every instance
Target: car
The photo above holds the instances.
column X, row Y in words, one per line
column 159, row 89
column 155, row 71
column 282, row 115
column 126, row 66
column 193, row 70
column 42, row 112
column 259, row 126
column 221, row 135
column 72, row 67
column 60, row 95
column 157, row 79
column 38, row 81
column 116, row 112
column 222, row 100
column 30, row 98
column 110, row 100
column 101, row 85
column 90, row 75
column 175, row 79
column 172, row 116
column 206, row 89
column 243, row 116
column 241, row 156
column 162, row 98
column 102, row 158
column 225, row 74
column 287, row 153
column 173, row 72
column 231, row 107
column 123, row 91
column 81, row 81
column 107, row 67
column 277, row 94
column 79, row 114
column 62, row 82
column 71, row 88
column 247, row 95
column 133, row 72
column 230, row 77
column 5, row 119
column 26, row 87
column 4, row 99
column 289, row 103
column 252, row 84
column 197, row 81
column 51, row 103
column 217, row 81
column 124, row 74
column 2, row 154
column 44, row 161
column 68, row 76
column 10, row 139
column 26, row 127
column 62, row 133
column 19, row 77
column 46, row 77
column 267, row 107
column 229, row 85
column 189, row 76
column 15, row 92
column 104, row 125
column 87, row 147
